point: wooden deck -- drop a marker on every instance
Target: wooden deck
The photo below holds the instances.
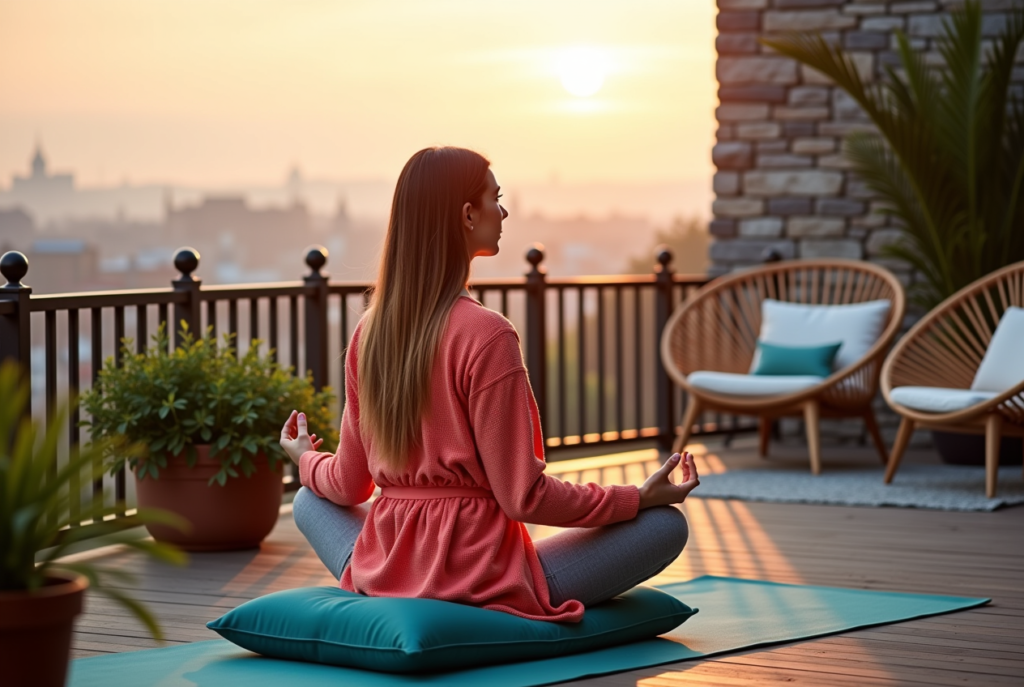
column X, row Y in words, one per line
column 969, row 554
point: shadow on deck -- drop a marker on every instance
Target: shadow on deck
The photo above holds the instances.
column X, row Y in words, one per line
column 966, row 554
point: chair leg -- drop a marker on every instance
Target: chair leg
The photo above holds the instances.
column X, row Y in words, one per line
column 993, row 434
column 876, row 436
column 902, row 439
column 764, row 428
column 812, row 414
column 689, row 417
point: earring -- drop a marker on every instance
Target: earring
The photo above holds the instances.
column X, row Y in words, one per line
column 471, row 227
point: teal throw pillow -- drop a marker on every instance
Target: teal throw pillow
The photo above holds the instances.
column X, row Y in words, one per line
column 796, row 360
column 398, row 635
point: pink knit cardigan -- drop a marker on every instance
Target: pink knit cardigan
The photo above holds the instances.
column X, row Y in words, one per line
column 483, row 430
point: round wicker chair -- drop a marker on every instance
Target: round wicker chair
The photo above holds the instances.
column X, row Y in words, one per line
column 717, row 330
column 945, row 349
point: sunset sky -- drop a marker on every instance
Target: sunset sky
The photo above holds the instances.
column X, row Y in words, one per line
column 215, row 92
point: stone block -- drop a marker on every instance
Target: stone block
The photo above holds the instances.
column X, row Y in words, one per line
column 915, row 7
column 807, row 20
column 840, row 207
column 789, row 206
column 845, row 108
column 860, row 9
column 813, row 77
column 722, row 228
column 792, row 183
column 814, row 146
column 856, row 188
column 757, row 94
column 796, row 129
column 806, row 114
column 836, row 161
column 764, row 70
column 749, row 131
column 831, row 248
column 726, row 183
column 725, row 132
column 737, row 207
column 925, row 25
column 865, row 40
column 885, row 24
column 732, row 155
column 869, row 221
column 742, row 112
column 808, row 95
column 796, row 4
column 880, row 238
column 842, row 129
column 750, row 250
column 800, row 227
column 783, row 161
column 738, row 21
column 737, row 44
column 771, row 147
column 761, row 227
column 742, row 4
column 858, row 233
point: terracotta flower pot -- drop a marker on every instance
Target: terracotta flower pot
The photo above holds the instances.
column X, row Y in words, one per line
column 35, row 631
column 238, row 515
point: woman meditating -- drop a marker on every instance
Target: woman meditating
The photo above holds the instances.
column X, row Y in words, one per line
column 441, row 416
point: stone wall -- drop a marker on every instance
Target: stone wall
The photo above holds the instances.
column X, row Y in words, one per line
column 781, row 179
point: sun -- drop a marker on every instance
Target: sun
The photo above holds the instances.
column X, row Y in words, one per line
column 582, row 70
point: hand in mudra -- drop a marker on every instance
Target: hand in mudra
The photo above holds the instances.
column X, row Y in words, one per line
column 295, row 439
column 659, row 491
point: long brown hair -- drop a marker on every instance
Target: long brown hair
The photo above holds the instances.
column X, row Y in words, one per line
column 424, row 267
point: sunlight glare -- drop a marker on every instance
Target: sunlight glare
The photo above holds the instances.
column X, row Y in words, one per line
column 582, row 70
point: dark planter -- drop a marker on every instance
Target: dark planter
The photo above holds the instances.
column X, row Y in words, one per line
column 238, row 515
column 969, row 449
column 35, row 631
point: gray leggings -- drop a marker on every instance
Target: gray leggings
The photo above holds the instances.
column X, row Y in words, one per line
column 588, row 564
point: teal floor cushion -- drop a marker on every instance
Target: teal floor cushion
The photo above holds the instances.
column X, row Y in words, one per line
column 336, row 627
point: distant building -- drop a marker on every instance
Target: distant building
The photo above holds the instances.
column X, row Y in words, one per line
column 63, row 265
column 17, row 230
column 245, row 243
column 40, row 184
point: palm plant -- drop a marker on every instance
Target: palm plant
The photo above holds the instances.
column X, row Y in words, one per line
column 35, row 500
column 948, row 158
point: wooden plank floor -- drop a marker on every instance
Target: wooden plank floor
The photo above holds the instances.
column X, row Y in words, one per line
column 968, row 554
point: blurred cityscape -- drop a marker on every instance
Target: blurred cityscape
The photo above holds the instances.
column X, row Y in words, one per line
column 124, row 236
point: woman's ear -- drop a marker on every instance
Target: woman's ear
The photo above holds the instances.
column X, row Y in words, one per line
column 467, row 216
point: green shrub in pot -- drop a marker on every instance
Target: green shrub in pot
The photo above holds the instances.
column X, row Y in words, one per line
column 169, row 402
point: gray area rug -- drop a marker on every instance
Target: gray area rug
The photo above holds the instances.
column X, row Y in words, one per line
column 941, row 487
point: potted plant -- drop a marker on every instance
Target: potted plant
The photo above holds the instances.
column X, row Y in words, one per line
column 947, row 159
column 209, row 423
column 40, row 599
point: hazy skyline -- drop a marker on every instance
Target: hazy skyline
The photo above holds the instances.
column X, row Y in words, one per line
column 217, row 93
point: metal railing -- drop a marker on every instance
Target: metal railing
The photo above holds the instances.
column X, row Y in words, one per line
column 591, row 344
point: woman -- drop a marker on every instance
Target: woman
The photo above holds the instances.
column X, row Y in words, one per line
column 440, row 415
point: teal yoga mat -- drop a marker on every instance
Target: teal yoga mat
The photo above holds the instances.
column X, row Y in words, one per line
column 734, row 614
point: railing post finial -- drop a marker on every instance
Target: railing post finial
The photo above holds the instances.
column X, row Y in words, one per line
column 14, row 267
column 316, row 258
column 663, row 254
column 186, row 260
column 535, row 341
column 315, row 303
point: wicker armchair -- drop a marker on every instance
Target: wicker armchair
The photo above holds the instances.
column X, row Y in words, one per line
column 945, row 349
column 717, row 330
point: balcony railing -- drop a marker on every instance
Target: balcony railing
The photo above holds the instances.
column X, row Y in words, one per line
column 591, row 344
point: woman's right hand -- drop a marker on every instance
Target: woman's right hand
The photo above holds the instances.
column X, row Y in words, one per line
column 659, row 491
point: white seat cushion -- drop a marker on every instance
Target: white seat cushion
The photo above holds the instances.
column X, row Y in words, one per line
column 857, row 326
column 1003, row 365
column 751, row 385
column 932, row 399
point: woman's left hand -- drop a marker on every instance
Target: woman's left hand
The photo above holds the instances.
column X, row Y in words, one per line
column 295, row 439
